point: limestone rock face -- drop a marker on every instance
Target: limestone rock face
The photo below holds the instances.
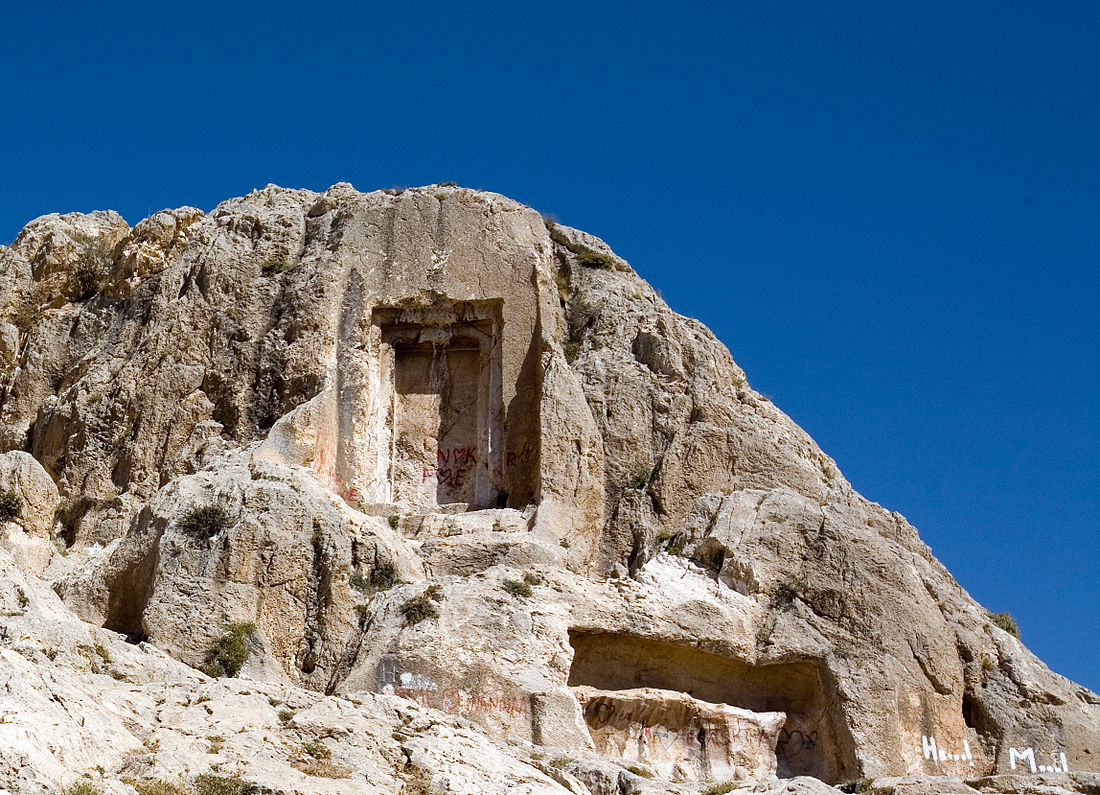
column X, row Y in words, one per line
column 455, row 490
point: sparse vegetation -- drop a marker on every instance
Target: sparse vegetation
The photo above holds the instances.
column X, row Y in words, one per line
column 362, row 613
column 639, row 478
column 763, row 635
column 321, row 768
column 561, row 762
column 795, row 586
column 591, row 258
column 204, row 521
column 520, row 590
column 565, row 285
column 10, row 505
column 395, row 520
column 856, row 785
column 230, row 651
column 274, row 266
column 157, row 787
column 572, row 351
column 102, row 652
column 988, row 664
column 83, row 788
column 420, row 608
column 719, row 789
column 94, row 266
column 382, row 577
column 640, row 771
column 216, row 743
column 419, row 782
column 21, row 597
column 316, row 749
column 210, row 784
column 1006, row 622
column 27, row 313
column 285, row 715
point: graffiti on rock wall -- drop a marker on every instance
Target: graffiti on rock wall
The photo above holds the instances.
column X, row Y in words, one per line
column 794, row 743
column 453, row 466
column 938, row 754
column 349, row 494
column 426, row 692
column 1027, row 755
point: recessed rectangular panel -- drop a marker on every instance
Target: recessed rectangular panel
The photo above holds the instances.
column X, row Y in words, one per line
column 437, row 451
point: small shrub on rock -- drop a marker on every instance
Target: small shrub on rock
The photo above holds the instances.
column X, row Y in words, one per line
column 272, row 267
column 639, row 478
column 230, row 651
column 420, row 608
column 210, row 784
column 316, row 749
column 83, row 788
column 1006, row 622
column 520, row 590
column 719, row 789
column 10, row 505
column 381, row 578
column 158, row 787
column 590, row 258
column 204, row 521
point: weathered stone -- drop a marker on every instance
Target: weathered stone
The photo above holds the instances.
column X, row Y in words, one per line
column 469, row 459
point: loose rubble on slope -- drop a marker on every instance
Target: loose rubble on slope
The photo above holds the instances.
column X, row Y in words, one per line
column 413, row 491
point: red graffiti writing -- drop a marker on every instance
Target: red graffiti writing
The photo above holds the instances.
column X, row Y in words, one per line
column 456, row 456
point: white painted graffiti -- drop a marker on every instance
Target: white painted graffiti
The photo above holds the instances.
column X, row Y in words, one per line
column 928, row 744
column 1028, row 755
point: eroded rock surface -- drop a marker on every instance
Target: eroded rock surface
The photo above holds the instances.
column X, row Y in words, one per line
column 438, row 450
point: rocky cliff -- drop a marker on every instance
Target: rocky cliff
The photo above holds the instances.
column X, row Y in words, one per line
column 415, row 491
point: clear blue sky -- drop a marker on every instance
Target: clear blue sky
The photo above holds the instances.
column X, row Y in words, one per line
column 890, row 212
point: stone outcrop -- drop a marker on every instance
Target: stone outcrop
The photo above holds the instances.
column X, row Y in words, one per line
column 424, row 446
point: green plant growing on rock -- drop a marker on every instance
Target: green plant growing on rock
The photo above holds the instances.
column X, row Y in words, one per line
column 591, row 258
column 22, row 598
column 795, row 586
column 157, row 787
column 381, row 578
column 228, row 653
column 274, row 266
column 719, row 789
column 10, row 505
column 520, row 590
column 316, row 749
column 763, row 635
column 210, row 784
column 639, row 478
column 395, row 521
column 83, row 788
column 422, row 607
column 1006, row 622
column 362, row 614
column 640, row 771
column 204, row 521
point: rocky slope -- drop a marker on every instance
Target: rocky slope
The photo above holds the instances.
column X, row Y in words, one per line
column 461, row 506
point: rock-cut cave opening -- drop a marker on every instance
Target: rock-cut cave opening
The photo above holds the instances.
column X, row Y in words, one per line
column 813, row 740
